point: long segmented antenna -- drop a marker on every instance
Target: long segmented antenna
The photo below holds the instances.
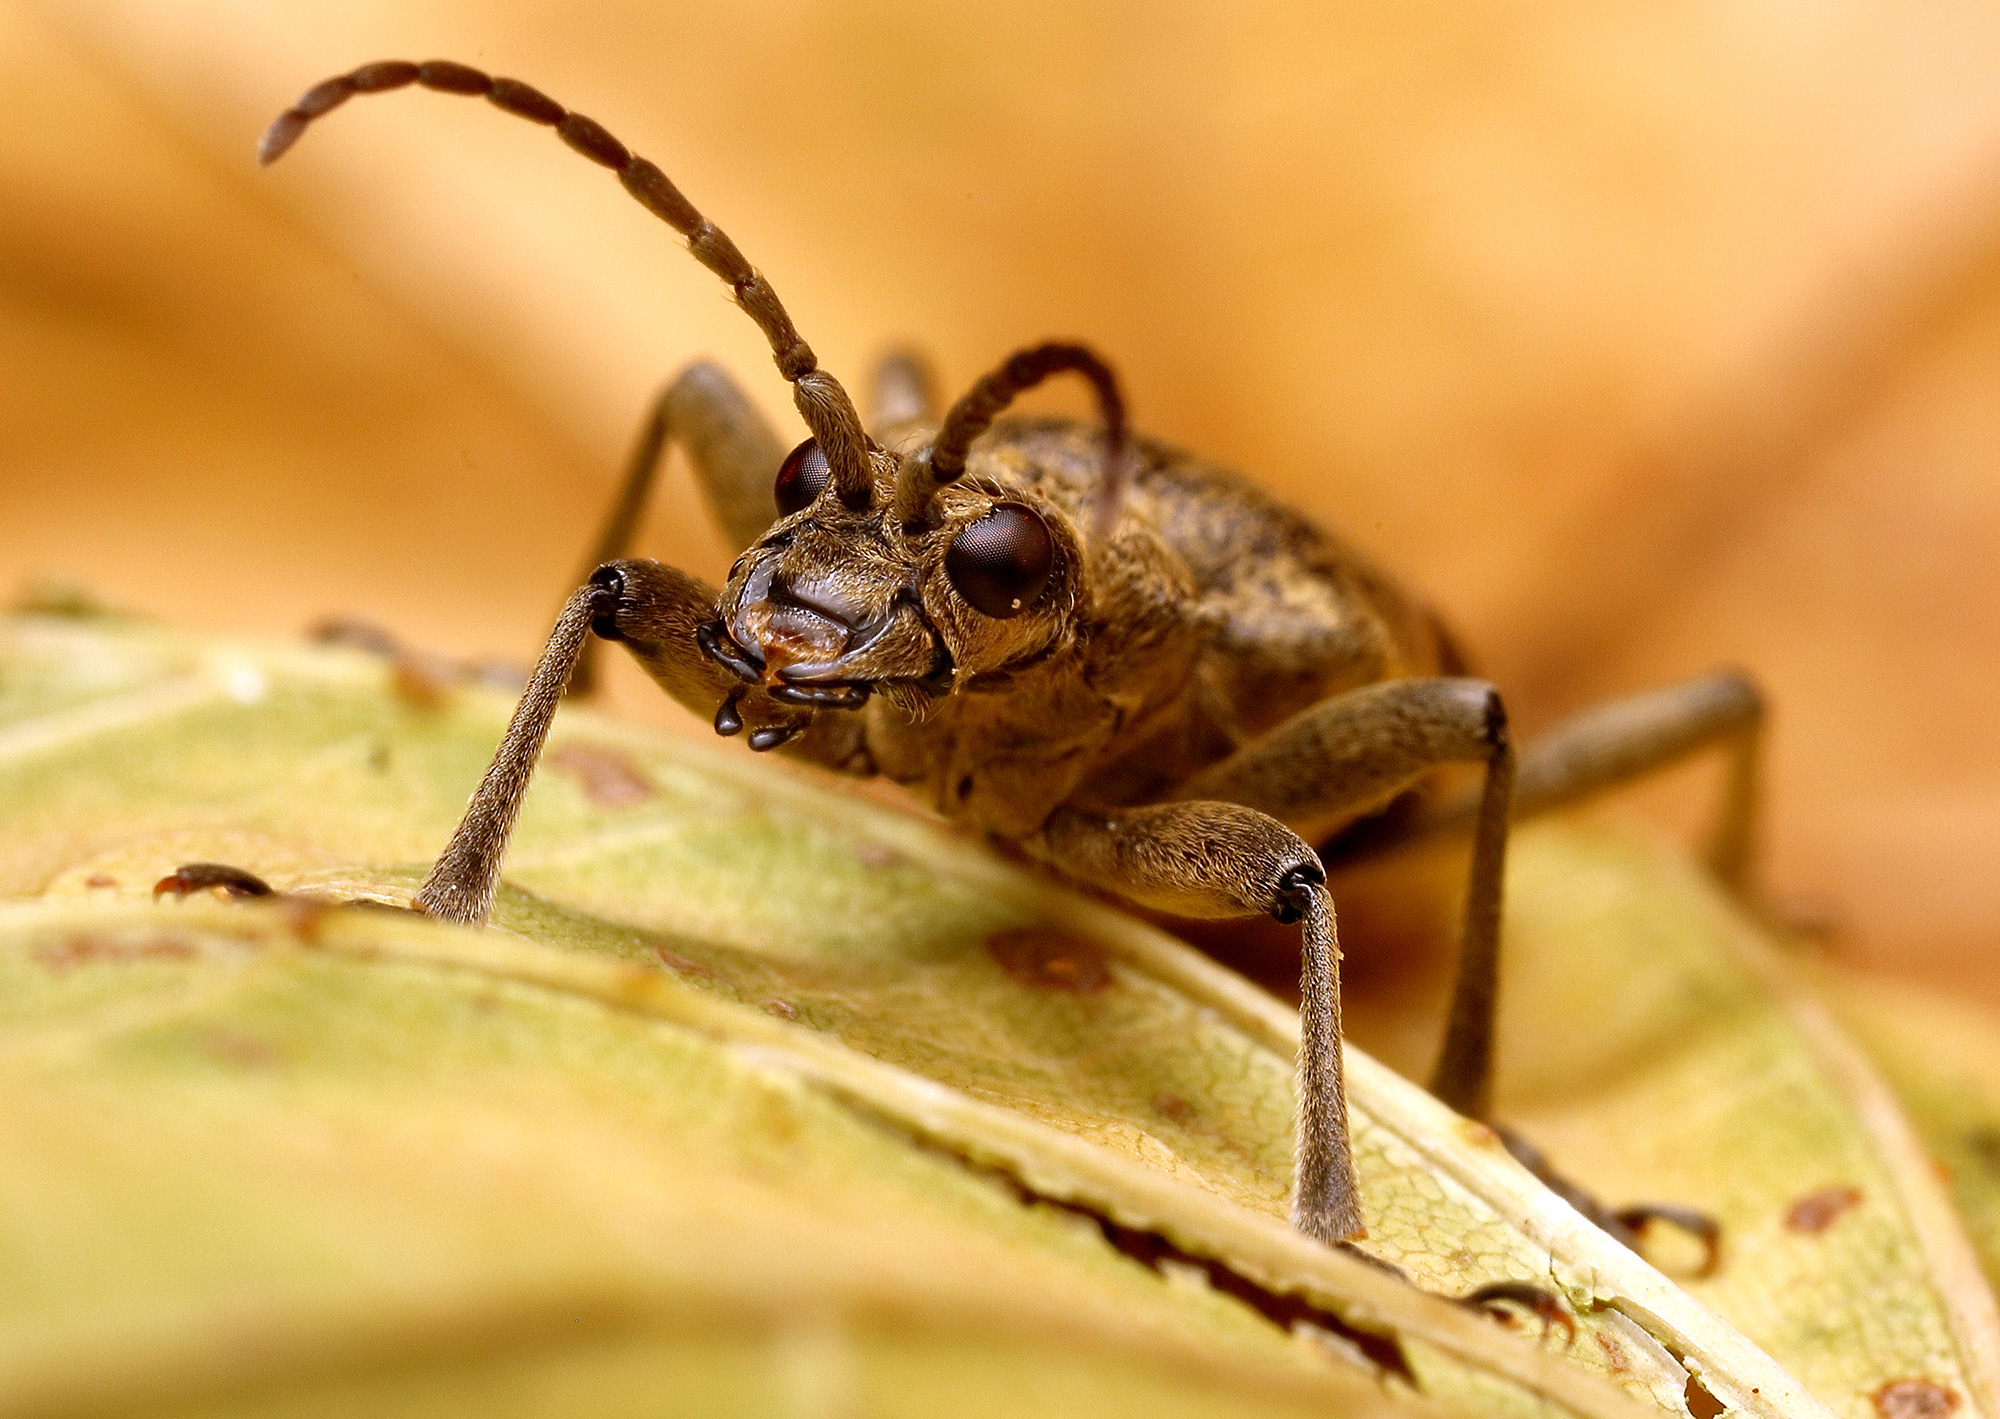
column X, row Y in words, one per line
column 972, row 415
column 821, row 400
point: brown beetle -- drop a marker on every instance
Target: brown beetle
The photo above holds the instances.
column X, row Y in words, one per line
column 1125, row 661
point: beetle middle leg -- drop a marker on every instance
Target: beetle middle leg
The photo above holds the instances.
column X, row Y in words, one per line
column 1208, row 859
column 1349, row 755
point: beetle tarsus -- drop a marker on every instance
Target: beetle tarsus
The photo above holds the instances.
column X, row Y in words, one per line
column 1697, row 1224
column 1494, row 1297
column 728, row 720
column 191, row 877
column 1625, row 1225
column 716, row 644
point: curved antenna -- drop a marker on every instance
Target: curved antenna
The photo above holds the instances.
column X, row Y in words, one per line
column 824, row 405
column 972, row 415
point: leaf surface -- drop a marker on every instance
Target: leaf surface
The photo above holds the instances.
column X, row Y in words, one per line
column 995, row 1026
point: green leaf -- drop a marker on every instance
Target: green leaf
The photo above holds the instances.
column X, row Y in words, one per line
column 1942, row 1057
column 751, row 1069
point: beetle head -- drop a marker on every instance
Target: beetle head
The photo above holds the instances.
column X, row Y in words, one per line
column 837, row 602
column 880, row 573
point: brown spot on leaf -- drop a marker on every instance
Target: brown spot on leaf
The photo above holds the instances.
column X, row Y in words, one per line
column 87, row 950
column 1047, row 959
column 876, row 856
column 1914, row 1399
column 675, row 961
column 1985, row 1144
column 1173, row 1107
column 1816, row 1211
column 783, row 1009
column 1478, row 1134
column 98, row 881
column 1700, row 1403
column 608, row 777
column 235, row 1047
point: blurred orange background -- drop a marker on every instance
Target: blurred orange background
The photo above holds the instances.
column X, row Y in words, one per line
column 1645, row 338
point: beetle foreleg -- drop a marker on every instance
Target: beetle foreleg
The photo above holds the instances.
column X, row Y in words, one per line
column 654, row 610
column 460, row 886
column 735, row 454
column 658, row 614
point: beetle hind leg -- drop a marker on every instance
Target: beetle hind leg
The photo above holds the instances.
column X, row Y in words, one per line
column 1611, row 744
column 1626, row 1225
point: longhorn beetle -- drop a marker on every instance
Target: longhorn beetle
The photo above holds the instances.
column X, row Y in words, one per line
column 1125, row 661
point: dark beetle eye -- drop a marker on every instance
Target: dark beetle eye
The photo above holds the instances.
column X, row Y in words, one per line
column 801, row 478
column 1001, row 562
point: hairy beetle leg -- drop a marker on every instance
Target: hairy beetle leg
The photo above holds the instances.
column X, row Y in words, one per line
column 461, row 883
column 1612, row 744
column 1209, row 859
column 1353, row 753
column 656, row 612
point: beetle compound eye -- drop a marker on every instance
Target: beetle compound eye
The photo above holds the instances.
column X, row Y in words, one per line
column 801, row 478
column 1001, row 563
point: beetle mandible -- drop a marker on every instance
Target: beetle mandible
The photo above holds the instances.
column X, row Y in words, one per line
column 1125, row 661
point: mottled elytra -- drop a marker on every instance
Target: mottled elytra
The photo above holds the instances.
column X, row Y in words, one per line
column 1121, row 658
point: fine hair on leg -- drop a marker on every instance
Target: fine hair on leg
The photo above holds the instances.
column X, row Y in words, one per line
column 1208, row 859
column 1611, row 744
column 460, row 886
column 1326, row 1196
